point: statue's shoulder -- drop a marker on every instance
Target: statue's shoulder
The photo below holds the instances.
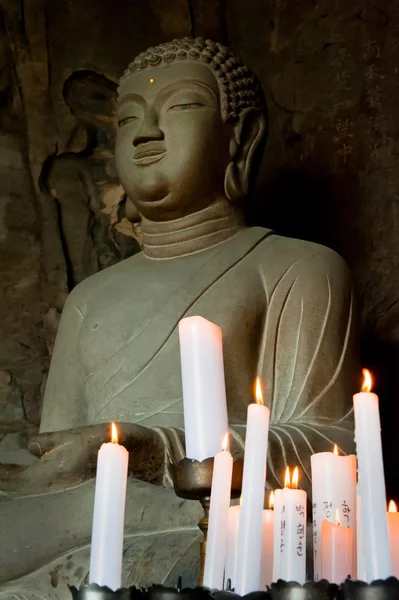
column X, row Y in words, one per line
column 302, row 258
column 108, row 282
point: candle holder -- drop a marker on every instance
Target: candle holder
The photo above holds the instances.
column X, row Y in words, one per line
column 311, row 590
column 381, row 589
column 192, row 480
column 160, row 592
column 102, row 592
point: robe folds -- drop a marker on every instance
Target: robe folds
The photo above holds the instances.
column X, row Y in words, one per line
column 286, row 310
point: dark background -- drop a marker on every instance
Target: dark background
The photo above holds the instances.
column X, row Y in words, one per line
column 330, row 72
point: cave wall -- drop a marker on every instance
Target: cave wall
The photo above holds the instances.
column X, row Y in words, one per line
column 330, row 72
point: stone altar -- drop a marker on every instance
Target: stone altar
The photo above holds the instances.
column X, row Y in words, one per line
column 192, row 126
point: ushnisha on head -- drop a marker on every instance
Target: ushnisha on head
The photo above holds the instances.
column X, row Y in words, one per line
column 192, row 120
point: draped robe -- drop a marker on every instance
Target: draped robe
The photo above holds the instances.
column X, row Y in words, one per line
column 286, row 310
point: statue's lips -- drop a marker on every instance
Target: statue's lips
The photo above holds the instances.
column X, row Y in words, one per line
column 148, row 157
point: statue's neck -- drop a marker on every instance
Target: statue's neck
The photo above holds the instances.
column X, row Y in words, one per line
column 193, row 233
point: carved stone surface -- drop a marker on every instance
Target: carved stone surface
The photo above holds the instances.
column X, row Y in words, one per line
column 328, row 174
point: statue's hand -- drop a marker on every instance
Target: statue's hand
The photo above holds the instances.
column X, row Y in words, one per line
column 68, row 458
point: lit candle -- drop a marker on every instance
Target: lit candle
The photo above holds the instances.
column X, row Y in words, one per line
column 266, row 567
column 360, row 564
column 336, row 551
column 278, row 497
column 218, row 518
column 374, row 520
column 249, row 546
column 393, row 528
column 109, row 513
column 333, row 488
column 293, row 531
column 204, row 392
column 231, row 552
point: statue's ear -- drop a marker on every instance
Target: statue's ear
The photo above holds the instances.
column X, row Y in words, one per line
column 247, row 136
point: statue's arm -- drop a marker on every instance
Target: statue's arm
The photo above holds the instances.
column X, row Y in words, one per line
column 310, row 364
column 64, row 405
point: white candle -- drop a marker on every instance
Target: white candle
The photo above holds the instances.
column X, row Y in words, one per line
column 109, row 513
column 393, row 528
column 218, row 518
column 231, row 553
column 266, row 567
column 204, row 393
column 278, row 497
column 293, row 533
column 336, row 551
column 374, row 521
column 360, row 564
column 253, row 495
column 333, row 488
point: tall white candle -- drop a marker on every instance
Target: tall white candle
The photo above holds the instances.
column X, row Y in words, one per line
column 218, row 518
column 336, row 551
column 253, row 495
column 109, row 514
column 393, row 528
column 204, row 392
column 293, row 533
column 266, row 567
column 371, row 483
column 360, row 564
column 231, row 552
column 333, row 488
column 278, row 497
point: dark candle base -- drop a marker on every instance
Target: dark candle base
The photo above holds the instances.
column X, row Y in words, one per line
column 387, row 589
column 98, row 592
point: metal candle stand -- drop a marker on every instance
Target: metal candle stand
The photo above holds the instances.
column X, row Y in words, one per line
column 193, row 480
column 387, row 589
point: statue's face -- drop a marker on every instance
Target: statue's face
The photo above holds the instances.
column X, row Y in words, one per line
column 172, row 146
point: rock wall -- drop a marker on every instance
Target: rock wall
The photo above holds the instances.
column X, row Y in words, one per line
column 330, row 71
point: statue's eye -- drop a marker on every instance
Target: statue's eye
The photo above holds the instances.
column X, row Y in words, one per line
column 125, row 121
column 188, row 106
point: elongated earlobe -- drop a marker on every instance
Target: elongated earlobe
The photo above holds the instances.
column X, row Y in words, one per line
column 249, row 134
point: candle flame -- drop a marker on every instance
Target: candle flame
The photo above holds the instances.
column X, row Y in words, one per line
column 225, row 443
column 335, row 451
column 271, row 500
column 367, row 381
column 295, row 479
column 392, row 506
column 114, row 434
column 258, row 391
column 337, row 517
column 287, row 479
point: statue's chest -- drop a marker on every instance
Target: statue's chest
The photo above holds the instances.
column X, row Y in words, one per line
column 136, row 318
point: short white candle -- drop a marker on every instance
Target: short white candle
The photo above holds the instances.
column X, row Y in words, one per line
column 333, row 488
column 374, row 521
column 266, row 567
column 232, row 539
column 249, row 547
column 278, row 497
column 293, row 533
column 218, row 518
column 393, row 528
column 336, row 551
column 204, row 392
column 109, row 514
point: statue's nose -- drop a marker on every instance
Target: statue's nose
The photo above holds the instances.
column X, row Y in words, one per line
column 149, row 130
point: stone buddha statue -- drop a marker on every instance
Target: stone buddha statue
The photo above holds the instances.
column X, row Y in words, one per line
column 192, row 127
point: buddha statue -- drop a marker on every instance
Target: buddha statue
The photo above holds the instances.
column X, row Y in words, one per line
column 192, row 128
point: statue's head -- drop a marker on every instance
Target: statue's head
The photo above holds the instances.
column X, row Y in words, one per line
column 192, row 124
